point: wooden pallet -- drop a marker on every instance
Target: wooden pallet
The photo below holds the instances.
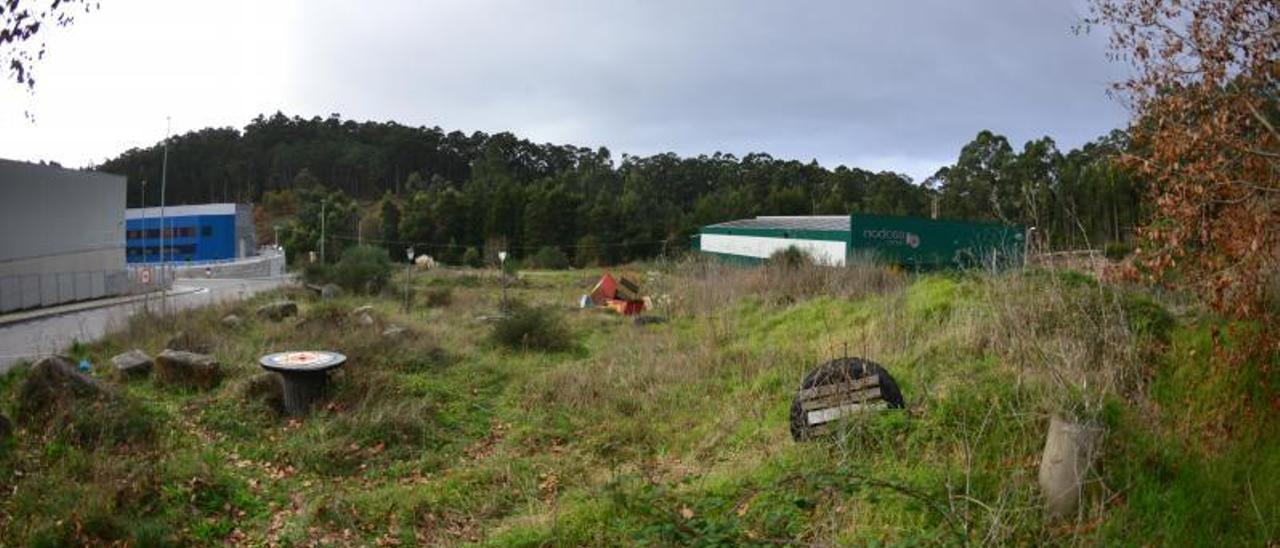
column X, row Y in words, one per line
column 823, row 405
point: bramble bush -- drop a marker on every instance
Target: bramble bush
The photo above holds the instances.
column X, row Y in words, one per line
column 550, row 258
column 363, row 269
column 532, row 328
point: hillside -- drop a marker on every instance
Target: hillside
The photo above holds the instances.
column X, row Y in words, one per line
column 467, row 189
column 673, row 433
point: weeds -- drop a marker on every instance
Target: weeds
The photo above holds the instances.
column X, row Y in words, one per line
column 671, row 434
column 701, row 287
column 1075, row 335
column 438, row 297
column 532, row 328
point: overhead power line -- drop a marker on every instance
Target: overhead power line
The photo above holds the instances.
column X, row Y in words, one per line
column 523, row 247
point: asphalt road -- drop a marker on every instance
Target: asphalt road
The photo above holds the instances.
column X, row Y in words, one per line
column 43, row 336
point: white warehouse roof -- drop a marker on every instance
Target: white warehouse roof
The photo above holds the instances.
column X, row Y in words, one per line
column 834, row 223
column 182, row 210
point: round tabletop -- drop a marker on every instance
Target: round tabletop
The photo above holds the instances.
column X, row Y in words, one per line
column 301, row 361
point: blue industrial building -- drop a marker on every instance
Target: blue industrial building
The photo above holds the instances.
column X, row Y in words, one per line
column 191, row 233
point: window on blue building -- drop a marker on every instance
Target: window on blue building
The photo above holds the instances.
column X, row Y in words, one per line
column 206, row 231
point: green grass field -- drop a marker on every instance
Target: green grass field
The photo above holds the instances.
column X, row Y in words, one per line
column 675, row 433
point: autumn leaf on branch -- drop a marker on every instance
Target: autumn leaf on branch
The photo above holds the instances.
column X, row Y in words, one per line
column 1204, row 98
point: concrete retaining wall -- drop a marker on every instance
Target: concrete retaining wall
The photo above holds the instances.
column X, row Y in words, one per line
column 264, row 266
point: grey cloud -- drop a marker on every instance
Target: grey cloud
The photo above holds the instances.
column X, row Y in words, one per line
column 856, row 83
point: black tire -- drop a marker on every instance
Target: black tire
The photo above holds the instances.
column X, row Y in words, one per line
column 838, row 370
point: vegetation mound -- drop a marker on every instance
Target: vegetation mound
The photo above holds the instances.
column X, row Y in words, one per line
column 676, row 433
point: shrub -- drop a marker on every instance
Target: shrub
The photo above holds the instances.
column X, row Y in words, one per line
column 1147, row 318
column 472, row 258
column 317, row 273
column 551, row 258
column 512, row 267
column 363, row 269
column 439, row 296
column 280, row 202
column 791, row 257
column 589, row 252
column 532, row 328
column 1116, row 251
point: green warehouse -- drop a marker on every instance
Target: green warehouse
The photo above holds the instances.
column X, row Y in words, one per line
column 909, row 242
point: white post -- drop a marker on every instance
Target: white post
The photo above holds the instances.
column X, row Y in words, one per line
column 502, row 270
column 408, row 273
column 164, row 179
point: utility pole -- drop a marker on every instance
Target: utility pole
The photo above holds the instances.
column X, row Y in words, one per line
column 164, row 178
column 146, row 295
column 323, row 203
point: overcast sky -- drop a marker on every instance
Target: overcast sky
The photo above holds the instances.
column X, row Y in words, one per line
column 894, row 85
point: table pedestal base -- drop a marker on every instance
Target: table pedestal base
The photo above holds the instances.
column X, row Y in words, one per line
column 302, row 390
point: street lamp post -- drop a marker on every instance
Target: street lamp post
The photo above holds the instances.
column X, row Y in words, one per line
column 408, row 273
column 323, row 204
column 502, row 270
column 164, row 179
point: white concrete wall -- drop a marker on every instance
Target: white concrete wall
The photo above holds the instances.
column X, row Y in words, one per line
column 823, row 251
column 61, row 235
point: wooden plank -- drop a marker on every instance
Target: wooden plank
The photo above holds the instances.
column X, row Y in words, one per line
column 848, row 386
column 822, row 416
column 836, row 400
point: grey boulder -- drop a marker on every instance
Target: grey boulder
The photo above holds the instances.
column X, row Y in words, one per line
column 53, row 384
column 330, row 291
column 190, row 343
column 188, row 369
column 278, row 310
column 134, row 363
column 265, row 387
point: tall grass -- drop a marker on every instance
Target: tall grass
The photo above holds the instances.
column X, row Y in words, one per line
column 699, row 286
column 675, row 433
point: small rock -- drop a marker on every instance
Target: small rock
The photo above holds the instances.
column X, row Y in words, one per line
column 278, row 310
column 394, row 332
column 134, row 363
column 330, row 291
column 366, row 319
column 649, row 320
column 232, row 321
column 265, row 387
column 53, row 384
column 189, row 343
column 363, row 310
column 189, row 369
